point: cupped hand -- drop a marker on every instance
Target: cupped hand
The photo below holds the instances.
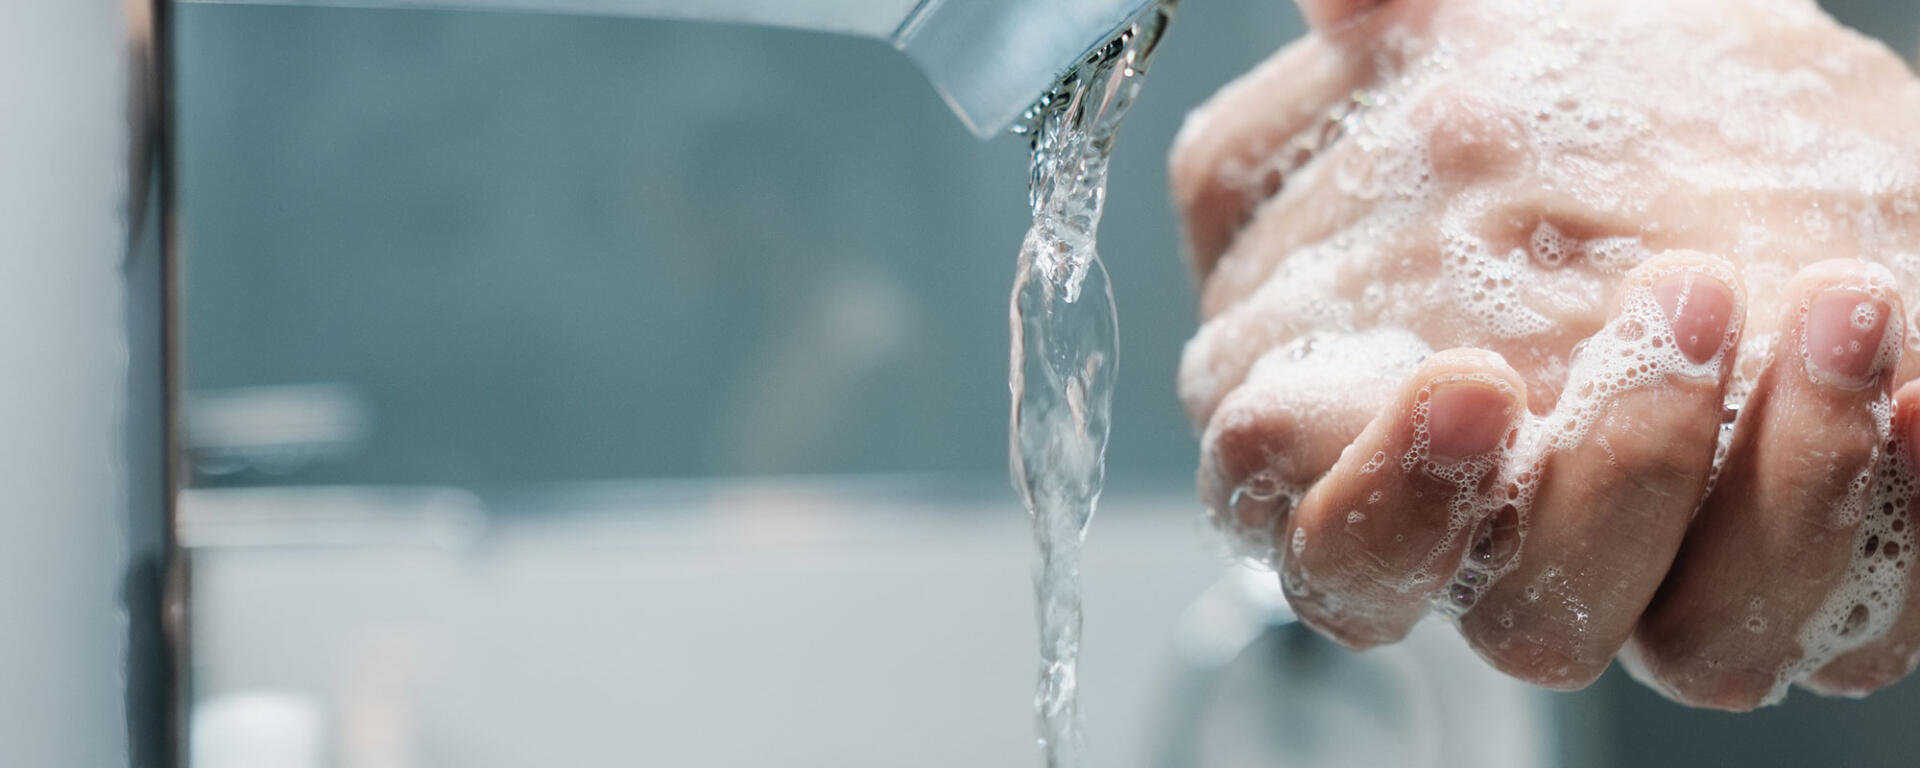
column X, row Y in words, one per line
column 1579, row 322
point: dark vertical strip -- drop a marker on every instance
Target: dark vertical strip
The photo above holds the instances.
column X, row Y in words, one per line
column 154, row 697
column 177, row 691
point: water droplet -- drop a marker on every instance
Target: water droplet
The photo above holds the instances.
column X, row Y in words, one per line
column 1461, row 595
column 1263, row 485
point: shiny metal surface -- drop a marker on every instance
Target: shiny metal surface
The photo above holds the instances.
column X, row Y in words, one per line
column 866, row 18
column 989, row 59
column 85, row 278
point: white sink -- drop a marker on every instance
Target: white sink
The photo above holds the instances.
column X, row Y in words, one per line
column 780, row 623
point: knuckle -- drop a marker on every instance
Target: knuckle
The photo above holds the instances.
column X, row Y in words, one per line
column 1245, row 437
column 1219, row 359
column 1190, row 164
column 1468, row 136
column 1205, row 377
column 1827, row 460
column 1212, row 199
column 1293, row 420
column 1654, row 456
column 1223, row 354
column 1215, row 189
column 1657, row 463
column 1264, row 409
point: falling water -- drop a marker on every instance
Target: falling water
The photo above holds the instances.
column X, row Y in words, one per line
column 1065, row 341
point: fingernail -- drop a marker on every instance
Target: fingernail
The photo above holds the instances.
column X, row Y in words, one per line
column 1698, row 309
column 1466, row 418
column 1843, row 333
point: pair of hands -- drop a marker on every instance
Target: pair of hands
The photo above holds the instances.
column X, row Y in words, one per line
column 1484, row 284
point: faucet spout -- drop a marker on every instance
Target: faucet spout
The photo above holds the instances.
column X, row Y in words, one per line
column 989, row 59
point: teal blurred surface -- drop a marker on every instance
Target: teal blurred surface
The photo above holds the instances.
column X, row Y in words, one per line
column 556, row 248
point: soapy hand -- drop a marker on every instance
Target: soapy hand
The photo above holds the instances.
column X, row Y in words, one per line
column 1579, row 322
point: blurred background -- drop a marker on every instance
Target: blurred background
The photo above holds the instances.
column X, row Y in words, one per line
column 586, row 391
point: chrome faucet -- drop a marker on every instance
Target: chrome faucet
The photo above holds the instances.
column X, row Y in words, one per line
column 990, row 59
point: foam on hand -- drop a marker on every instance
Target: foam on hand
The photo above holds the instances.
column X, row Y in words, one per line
column 1445, row 262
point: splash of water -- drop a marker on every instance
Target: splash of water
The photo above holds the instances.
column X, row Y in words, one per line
column 1065, row 343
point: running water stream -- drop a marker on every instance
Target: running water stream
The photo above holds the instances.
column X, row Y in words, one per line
column 1065, row 339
